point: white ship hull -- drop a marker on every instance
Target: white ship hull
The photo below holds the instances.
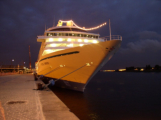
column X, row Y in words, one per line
column 73, row 68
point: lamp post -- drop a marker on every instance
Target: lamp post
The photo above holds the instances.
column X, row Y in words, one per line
column 24, row 67
column 12, row 62
column 18, row 68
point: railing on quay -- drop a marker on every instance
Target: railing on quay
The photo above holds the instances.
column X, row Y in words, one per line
column 112, row 37
column 11, row 66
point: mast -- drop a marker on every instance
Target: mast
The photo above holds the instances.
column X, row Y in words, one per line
column 110, row 28
column 29, row 59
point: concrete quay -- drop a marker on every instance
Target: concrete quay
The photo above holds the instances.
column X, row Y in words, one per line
column 20, row 100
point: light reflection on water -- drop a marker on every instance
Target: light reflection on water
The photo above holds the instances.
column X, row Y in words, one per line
column 116, row 96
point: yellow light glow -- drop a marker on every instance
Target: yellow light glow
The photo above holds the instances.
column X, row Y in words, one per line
column 95, row 41
column 122, row 69
column 85, row 40
column 60, row 23
column 53, row 45
column 109, row 70
column 142, row 69
column 70, row 45
column 69, row 39
column 81, row 44
column 79, row 40
column 69, row 23
column 51, row 39
column 60, row 39
column 49, row 51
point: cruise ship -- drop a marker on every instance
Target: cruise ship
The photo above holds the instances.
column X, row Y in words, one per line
column 71, row 55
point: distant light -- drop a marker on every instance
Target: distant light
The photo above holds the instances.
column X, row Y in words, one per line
column 108, row 70
column 122, row 69
column 13, row 60
column 142, row 69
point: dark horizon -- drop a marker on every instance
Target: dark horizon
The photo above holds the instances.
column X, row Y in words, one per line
column 138, row 22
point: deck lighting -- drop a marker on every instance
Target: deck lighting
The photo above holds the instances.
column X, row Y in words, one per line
column 69, row 39
column 95, row 41
column 48, row 51
column 60, row 39
column 79, row 40
column 70, row 45
column 51, row 39
column 85, row 40
column 81, row 44
column 53, row 45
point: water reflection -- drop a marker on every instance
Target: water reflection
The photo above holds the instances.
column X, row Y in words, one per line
column 116, row 96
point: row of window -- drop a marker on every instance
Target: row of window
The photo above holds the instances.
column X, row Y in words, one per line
column 58, row 55
column 71, row 40
column 72, row 34
column 64, row 45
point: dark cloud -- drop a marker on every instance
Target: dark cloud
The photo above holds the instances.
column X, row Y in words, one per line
column 142, row 46
column 149, row 35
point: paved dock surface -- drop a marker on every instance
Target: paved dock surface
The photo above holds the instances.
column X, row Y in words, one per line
column 20, row 100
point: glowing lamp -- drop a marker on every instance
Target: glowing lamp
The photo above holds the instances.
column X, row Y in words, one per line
column 85, row 40
column 51, row 39
column 53, row 45
column 81, row 44
column 70, row 45
column 60, row 39
column 95, row 41
column 69, row 39
column 79, row 40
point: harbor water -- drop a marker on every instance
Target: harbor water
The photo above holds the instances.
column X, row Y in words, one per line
column 116, row 96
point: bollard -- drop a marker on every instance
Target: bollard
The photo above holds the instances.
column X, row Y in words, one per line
column 35, row 77
column 39, row 86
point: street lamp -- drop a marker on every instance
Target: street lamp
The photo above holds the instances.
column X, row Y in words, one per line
column 12, row 62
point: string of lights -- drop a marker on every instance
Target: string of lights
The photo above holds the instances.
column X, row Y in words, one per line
column 87, row 29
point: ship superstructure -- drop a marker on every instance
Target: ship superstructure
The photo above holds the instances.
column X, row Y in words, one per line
column 72, row 56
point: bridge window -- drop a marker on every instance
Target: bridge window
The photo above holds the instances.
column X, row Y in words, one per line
column 72, row 34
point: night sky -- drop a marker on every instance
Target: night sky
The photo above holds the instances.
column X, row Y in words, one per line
column 137, row 21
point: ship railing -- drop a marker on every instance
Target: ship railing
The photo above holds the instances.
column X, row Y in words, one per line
column 112, row 37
